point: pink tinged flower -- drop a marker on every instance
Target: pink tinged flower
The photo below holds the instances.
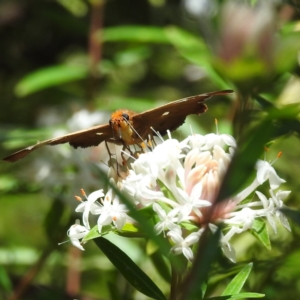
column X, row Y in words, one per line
column 206, row 167
column 167, row 220
column 112, row 211
column 266, row 172
column 182, row 245
column 77, row 232
column 89, row 206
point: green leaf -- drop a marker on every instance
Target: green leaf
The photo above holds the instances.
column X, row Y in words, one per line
column 132, row 273
column 195, row 50
column 94, row 233
column 236, row 284
column 260, row 231
column 49, row 77
column 239, row 296
column 133, row 34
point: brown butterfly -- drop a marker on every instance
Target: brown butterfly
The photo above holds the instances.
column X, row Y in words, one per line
column 128, row 128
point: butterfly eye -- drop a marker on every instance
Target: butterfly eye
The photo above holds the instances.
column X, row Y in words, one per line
column 125, row 116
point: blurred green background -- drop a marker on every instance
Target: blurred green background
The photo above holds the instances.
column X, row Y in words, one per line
column 67, row 64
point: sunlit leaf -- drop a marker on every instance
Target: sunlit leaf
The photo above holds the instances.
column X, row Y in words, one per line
column 195, row 50
column 260, row 231
column 239, row 296
column 133, row 33
column 49, row 77
column 236, row 284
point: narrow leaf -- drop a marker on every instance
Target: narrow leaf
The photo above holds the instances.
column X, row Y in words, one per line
column 133, row 34
column 236, row 284
column 239, row 296
column 49, row 77
column 132, row 273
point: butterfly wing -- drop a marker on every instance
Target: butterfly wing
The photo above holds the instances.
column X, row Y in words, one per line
column 83, row 138
column 171, row 115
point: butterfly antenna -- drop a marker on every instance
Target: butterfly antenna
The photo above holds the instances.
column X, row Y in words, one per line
column 157, row 134
column 128, row 154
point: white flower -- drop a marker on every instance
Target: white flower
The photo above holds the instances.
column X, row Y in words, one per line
column 266, row 172
column 77, row 232
column 167, row 220
column 182, row 245
column 242, row 220
column 111, row 211
column 274, row 204
column 89, row 206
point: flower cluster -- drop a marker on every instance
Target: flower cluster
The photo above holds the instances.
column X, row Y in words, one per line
column 180, row 181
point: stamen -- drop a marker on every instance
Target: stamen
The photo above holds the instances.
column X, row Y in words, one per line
column 278, row 156
column 78, row 198
column 217, row 127
column 83, row 192
column 63, row 242
column 267, row 149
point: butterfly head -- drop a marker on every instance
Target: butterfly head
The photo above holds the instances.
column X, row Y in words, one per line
column 121, row 123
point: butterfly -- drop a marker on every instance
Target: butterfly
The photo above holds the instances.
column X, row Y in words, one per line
column 129, row 128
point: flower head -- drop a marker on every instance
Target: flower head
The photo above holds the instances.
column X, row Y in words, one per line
column 180, row 182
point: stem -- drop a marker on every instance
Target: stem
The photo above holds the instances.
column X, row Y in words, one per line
column 95, row 45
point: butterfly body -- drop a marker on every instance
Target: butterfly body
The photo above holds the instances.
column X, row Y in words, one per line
column 128, row 128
